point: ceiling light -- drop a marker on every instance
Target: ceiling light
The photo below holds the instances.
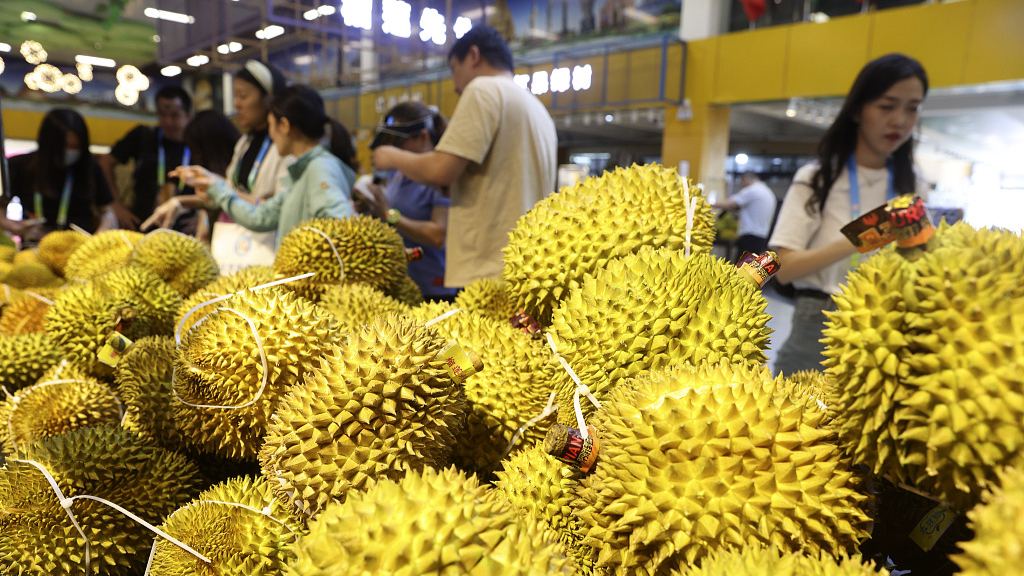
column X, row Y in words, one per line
column 94, row 61
column 170, row 71
column 311, row 14
column 326, row 10
column 234, row 46
column 48, row 77
column 31, row 81
column 33, row 52
column 169, row 16
column 1, row 65
column 5, row 47
column 742, row 159
column 28, row 16
column 71, row 84
column 197, row 60
column 130, row 76
column 222, row 49
column 84, row 71
column 126, row 94
column 304, row 60
column 272, row 31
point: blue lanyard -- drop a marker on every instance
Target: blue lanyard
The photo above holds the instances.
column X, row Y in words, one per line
column 65, row 202
column 255, row 165
column 161, row 159
column 851, row 172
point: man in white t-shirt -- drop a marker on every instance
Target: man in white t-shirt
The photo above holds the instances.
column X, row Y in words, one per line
column 756, row 204
column 498, row 155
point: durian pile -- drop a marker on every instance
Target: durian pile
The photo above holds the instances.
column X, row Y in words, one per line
column 316, row 417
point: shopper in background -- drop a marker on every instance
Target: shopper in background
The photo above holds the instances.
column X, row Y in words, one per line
column 419, row 212
column 210, row 136
column 865, row 157
column 60, row 182
column 156, row 151
column 498, row 155
column 756, row 203
column 317, row 185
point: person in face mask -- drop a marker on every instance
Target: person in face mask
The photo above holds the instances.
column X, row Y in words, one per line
column 61, row 184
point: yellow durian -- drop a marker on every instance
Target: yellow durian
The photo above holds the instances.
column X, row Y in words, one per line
column 56, row 248
column 183, row 262
column 103, row 253
column 996, row 548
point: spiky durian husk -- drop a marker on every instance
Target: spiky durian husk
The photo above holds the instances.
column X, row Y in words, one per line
column 104, row 252
column 357, row 304
column 183, row 262
column 541, row 489
column 759, row 561
column 576, row 231
column 241, row 280
column 25, row 257
column 7, row 253
column 85, row 314
column 53, row 407
column 818, row 385
column 428, row 523
column 56, row 247
column 36, row 535
column 379, row 406
column 24, row 358
column 372, row 253
column 652, row 309
column 143, row 379
column 518, row 376
column 998, row 530
column 26, row 315
column 697, row 459
column 254, row 540
column 927, row 349
column 406, row 291
column 488, row 297
column 32, row 275
column 219, row 364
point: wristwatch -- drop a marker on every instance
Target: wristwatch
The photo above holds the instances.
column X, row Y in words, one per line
column 393, row 216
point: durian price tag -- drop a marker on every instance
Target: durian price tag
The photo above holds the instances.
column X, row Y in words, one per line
column 113, row 348
column 759, row 268
column 460, row 363
column 870, row 231
column 910, row 223
column 413, row 254
column 568, row 445
column 932, row 527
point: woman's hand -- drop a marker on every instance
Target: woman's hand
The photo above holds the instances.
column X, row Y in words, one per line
column 197, row 177
column 165, row 214
column 379, row 204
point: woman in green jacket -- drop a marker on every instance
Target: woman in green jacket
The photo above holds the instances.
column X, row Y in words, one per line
column 317, row 185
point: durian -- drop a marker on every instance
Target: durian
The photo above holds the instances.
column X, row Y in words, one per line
column 760, row 561
column 487, row 297
column 239, row 525
column 133, row 299
column 357, row 304
column 369, row 250
column 406, row 291
column 29, row 275
column 24, row 358
column 56, row 247
column 653, row 309
column 55, row 406
column 428, row 523
column 36, row 534
column 25, row 257
column 143, row 378
column 219, row 363
column 183, row 262
column 579, row 229
column 237, row 282
column 996, row 548
column 379, row 406
column 698, row 459
column 927, row 350
column 26, row 315
column 7, row 253
column 104, row 252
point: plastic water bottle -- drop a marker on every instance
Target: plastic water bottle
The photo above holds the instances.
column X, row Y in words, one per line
column 15, row 211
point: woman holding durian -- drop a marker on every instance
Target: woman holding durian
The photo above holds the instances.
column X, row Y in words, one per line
column 865, row 158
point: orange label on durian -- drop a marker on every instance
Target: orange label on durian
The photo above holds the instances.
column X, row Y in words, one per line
column 113, row 348
column 457, row 361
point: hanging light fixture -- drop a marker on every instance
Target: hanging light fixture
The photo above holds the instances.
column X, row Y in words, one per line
column 126, row 94
column 84, row 71
column 71, row 84
column 48, row 77
column 33, row 52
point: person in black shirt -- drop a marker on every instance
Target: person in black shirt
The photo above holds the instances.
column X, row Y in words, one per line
column 60, row 183
column 156, row 152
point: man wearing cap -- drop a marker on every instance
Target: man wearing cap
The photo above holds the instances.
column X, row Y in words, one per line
column 156, row 152
column 497, row 157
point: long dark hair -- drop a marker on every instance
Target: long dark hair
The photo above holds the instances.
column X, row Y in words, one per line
column 840, row 140
column 410, row 111
column 48, row 164
column 304, row 109
column 211, row 137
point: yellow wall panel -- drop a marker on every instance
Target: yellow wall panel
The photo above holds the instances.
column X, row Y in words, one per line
column 751, row 65
column 24, row 125
column 935, row 34
column 825, row 58
column 996, row 47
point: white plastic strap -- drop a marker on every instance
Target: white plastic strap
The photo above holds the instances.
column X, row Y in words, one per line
column 548, row 410
column 691, row 209
column 444, row 316
column 138, row 520
column 7, row 291
column 60, row 367
column 40, row 297
column 263, row 359
column 65, row 503
column 126, row 240
column 80, row 230
column 580, row 389
column 6, row 393
column 264, row 512
column 333, row 249
column 177, row 329
column 16, row 400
